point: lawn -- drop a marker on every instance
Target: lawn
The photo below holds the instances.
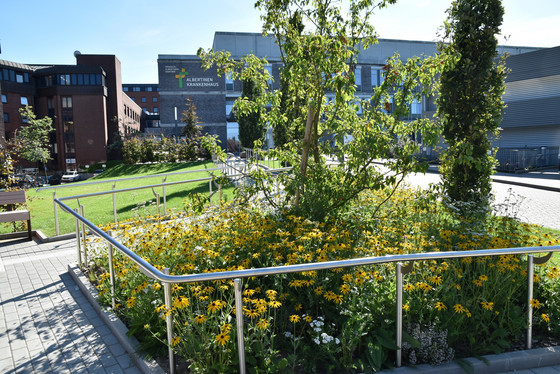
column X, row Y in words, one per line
column 132, row 204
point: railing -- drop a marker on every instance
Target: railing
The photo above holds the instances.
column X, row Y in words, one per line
column 167, row 280
column 115, row 191
column 514, row 159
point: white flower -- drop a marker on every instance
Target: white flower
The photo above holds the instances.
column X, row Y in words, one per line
column 316, row 340
column 288, row 334
column 337, row 341
column 317, row 329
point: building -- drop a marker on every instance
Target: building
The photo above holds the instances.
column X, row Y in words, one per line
column 147, row 97
column 85, row 101
column 181, row 76
column 530, row 135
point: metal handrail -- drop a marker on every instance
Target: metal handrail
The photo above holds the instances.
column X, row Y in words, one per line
column 163, row 276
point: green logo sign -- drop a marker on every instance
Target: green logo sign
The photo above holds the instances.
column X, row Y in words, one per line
column 182, row 74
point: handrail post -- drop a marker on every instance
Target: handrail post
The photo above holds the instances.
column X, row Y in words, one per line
column 84, row 235
column 399, row 313
column 55, row 214
column 239, row 324
column 530, row 269
column 111, row 272
column 78, row 240
column 164, row 196
column 114, row 204
column 169, row 321
column 157, row 205
column 210, row 190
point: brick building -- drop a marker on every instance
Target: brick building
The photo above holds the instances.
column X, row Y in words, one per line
column 147, row 97
column 85, row 101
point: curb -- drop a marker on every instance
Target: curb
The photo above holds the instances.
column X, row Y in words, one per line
column 145, row 365
column 490, row 364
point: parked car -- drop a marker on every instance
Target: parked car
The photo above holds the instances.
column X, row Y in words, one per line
column 71, row 176
column 55, row 179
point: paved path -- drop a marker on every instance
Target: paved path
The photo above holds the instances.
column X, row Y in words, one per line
column 46, row 323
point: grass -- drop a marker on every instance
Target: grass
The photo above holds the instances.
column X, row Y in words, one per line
column 99, row 209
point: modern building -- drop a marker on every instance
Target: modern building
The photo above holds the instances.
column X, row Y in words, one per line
column 530, row 135
column 181, row 76
column 147, row 97
column 85, row 101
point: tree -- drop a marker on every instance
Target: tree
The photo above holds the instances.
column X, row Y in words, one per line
column 470, row 103
column 251, row 125
column 191, row 130
column 33, row 138
column 320, row 61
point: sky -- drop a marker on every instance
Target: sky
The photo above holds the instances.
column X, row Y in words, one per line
column 136, row 31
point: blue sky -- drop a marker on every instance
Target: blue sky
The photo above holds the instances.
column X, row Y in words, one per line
column 137, row 31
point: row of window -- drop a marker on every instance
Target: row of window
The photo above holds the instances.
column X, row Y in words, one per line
column 84, row 79
column 23, row 100
column 129, row 88
column 14, row 76
column 144, row 100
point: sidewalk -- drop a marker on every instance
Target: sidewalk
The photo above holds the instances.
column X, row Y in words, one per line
column 46, row 323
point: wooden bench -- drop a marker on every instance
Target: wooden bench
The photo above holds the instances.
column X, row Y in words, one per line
column 14, row 197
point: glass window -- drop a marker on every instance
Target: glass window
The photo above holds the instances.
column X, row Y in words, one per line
column 229, row 107
column 50, row 103
column 268, row 68
column 358, row 77
column 86, row 79
column 125, row 88
column 415, row 107
column 19, row 78
column 70, row 148
column 136, row 89
column 229, row 82
column 149, row 88
column 24, row 101
column 154, row 99
column 74, row 79
column 98, row 79
column 6, row 74
column 12, row 75
column 156, row 109
column 133, row 99
column 92, row 79
column 374, row 77
column 67, row 101
column 65, row 79
column 80, row 79
column 144, row 109
column 6, row 118
column 26, row 77
column 4, row 99
column 143, row 99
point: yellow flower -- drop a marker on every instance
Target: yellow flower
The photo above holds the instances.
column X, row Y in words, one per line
column 437, row 280
column 483, row 278
column 535, row 303
column 215, row 306
column 406, row 307
column 222, row 338
column 200, row 319
column 545, row 317
column 308, row 319
column 275, row 304
column 181, row 302
column 146, row 326
column 458, row 308
column 440, row 306
column 295, row 318
column 477, row 282
column 408, row 287
column 487, row 305
column 262, row 324
column 226, row 328
column 176, row 340
column 271, row 294
column 130, row 302
column 298, row 307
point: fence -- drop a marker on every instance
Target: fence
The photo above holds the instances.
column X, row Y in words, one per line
column 514, row 159
column 167, row 280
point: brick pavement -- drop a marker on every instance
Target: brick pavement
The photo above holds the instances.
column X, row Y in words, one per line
column 46, row 323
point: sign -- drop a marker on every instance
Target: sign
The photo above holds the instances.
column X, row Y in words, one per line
column 70, row 160
column 186, row 81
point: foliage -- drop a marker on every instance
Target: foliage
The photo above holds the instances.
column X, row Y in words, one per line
column 33, row 138
column 319, row 63
column 251, row 126
column 191, row 130
column 470, row 103
column 151, row 149
column 6, row 165
column 334, row 320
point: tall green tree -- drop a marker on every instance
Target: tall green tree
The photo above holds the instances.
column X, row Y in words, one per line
column 470, row 104
column 33, row 138
column 251, row 125
column 319, row 62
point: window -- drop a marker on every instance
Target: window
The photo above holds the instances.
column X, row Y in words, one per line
column 65, row 79
column 143, row 99
column 67, row 101
column 358, row 77
column 125, row 88
column 374, row 77
column 136, row 89
column 86, row 79
column 415, row 107
column 6, row 118
column 24, row 101
column 70, row 147
column 149, row 88
column 133, row 99
column 144, row 109
column 19, row 78
column 6, row 74
column 229, row 107
column 268, row 68
column 4, row 99
column 80, row 79
column 156, row 110
column 50, row 103
column 154, row 99
column 229, row 82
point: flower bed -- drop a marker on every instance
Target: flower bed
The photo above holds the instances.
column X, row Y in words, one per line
column 340, row 319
